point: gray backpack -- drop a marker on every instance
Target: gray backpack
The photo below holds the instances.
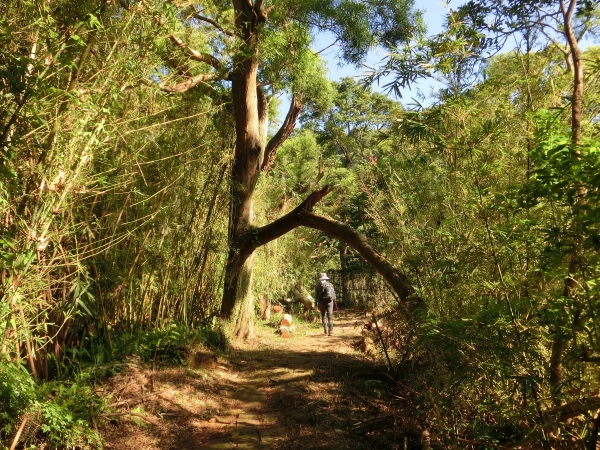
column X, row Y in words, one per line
column 327, row 292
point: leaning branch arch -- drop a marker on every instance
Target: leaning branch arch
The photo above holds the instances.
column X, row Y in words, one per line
column 303, row 215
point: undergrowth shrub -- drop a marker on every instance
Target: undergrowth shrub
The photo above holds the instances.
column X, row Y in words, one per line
column 17, row 392
column 59, row 413
column 166, row 345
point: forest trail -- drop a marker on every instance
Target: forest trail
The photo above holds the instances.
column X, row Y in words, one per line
column 309, row 392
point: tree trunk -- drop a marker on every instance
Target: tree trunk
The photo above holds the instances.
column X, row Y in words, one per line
column 265, row 307
column 248, row 158
column 244, row 310
column 306, row 300
column 252, row 154
column 578, row 75
column 344, row 272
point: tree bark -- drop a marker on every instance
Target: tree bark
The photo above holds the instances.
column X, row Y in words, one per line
column 306, row 300
column 343, row 248
column 567, row 12
column 248, row 154
column 252, row 153
column 265, row 307
column 284, row 132
column 244, row 310
column 251, row 156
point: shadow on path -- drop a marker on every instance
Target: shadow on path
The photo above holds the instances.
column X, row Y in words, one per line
column 308, row 392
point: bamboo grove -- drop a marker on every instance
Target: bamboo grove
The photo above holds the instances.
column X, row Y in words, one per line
column 124, row 205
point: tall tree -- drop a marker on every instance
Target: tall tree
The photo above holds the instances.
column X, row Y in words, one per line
column 267, row 49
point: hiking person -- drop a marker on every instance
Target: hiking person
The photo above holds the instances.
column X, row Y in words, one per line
column 324, row 300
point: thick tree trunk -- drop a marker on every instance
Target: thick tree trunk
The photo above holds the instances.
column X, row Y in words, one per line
column 248, row 157
column 252, row 155
column 244, row 310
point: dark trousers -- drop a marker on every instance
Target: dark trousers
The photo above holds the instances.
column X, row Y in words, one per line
column 326, row 309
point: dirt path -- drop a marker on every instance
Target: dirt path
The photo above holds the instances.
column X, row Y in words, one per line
column 308, row 392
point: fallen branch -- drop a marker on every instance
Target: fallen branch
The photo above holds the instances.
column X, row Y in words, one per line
column 373, row 419
column 559, row 414
column 132, row 401
column 150, row 421
column 306, row 300
column 479, row 443
column 360, row 397
column 370, row 424
column 125, row 364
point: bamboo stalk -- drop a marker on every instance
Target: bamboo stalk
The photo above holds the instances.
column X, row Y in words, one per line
column 383, row 344
column 15, row 441
column 29, row 348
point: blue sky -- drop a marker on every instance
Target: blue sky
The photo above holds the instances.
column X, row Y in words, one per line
column 434, row 12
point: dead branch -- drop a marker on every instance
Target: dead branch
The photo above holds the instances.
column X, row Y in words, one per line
column 133, row 401
column 214, row 24
column 383, row 344
column 19, row 431
column 150, row 421
column 188, row 84
column 574, row 409
column 374, row 419
column 196, row 55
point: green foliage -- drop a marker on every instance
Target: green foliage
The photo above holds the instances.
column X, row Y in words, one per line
column 486, row 205
column 450, row 57
column 114, row 201
column 166, row 346
column 17, row 392
column 66, row 418
column 63, row 410
column 359, row 26
column 336, row 146
column 566, row 175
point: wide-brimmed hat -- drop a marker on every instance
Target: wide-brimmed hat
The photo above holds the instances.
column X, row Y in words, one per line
column 323, row 276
